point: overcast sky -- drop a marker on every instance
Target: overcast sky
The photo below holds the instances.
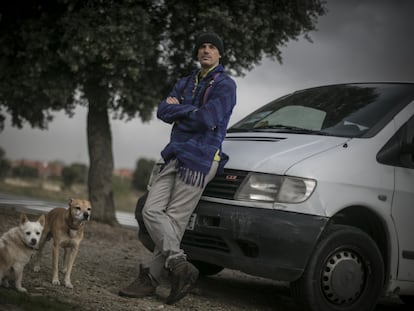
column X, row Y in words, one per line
column 356, row 41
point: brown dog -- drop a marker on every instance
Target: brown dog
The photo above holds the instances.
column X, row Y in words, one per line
column 65, row 226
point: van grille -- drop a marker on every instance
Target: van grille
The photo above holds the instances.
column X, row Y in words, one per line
column 205, row 241
column 225, row 185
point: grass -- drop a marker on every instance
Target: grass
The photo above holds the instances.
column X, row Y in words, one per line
column 125, row 197
column 13, row 300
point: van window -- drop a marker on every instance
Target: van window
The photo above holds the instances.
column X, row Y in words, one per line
column 295, row 116
column 347, row 110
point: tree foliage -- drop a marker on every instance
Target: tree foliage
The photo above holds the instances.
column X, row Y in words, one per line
column 5, row 165
column 52, row 51
column 25, row 171
column 120, row 57
column 251, row 29
column 142, row 173
column 74, row 173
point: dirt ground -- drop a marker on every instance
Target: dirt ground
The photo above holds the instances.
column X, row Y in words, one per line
column 108, row 260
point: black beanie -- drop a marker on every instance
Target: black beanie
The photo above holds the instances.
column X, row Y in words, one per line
column 209, row 37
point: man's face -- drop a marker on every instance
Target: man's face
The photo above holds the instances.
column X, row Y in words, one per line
column 208, row 55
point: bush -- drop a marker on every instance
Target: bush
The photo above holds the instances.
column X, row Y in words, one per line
column 142, row 173
column 75, row 173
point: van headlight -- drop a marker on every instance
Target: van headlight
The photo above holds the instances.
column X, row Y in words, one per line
column 275, row 188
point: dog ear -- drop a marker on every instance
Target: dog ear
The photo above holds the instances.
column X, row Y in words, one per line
column 42, row 220
column 70, row 201
column 23, row 218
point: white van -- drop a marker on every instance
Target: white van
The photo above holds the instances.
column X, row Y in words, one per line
column 319, row 192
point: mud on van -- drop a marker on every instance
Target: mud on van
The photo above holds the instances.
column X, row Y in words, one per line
column 318, row 192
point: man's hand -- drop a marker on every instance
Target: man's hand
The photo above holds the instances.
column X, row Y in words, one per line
column 172, row 101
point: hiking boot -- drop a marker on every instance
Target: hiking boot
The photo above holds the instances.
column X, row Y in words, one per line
column 140, row 287
column 183, row 278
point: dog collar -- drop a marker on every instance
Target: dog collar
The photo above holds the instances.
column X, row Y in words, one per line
column 71, row 226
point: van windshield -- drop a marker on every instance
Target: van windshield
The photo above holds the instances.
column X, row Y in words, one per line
column 346, row 110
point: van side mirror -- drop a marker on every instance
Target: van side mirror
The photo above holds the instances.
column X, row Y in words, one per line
column 407, row 148
column 399, row 150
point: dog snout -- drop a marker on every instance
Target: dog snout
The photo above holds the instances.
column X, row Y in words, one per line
column 33, row 242
column 86, row 216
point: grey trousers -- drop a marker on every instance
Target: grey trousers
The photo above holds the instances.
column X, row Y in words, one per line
column 166, row 213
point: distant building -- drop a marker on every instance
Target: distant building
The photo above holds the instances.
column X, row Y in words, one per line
column 45, row 169
column 124, row 173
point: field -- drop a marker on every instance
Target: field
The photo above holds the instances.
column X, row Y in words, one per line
column 125, row 197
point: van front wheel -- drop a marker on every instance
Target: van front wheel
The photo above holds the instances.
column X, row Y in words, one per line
column 408, row 300
column 205, row 268
column 345, row 273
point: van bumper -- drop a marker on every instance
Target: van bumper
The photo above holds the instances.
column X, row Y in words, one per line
column 269, row 243
column 273, row 244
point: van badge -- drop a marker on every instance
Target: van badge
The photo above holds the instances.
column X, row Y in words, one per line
column 231, row 177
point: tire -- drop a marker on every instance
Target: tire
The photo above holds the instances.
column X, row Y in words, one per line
column 408, row 300
column 205, row 268
column 143, row 234
column 345, row 273
column 145, row 238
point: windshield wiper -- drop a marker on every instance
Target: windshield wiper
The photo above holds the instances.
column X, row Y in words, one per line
column 288, row 129
column 279, row 128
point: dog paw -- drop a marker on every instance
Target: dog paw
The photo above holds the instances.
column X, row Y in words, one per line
column 68, row 285
column 36, row 268
column 21, row 289
column 56, row 282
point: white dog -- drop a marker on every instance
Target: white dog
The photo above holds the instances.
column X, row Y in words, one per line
column 16, row 248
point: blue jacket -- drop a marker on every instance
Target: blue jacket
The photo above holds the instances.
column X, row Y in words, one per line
column 200, row 123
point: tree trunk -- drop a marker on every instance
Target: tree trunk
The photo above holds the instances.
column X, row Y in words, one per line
column 100, row 156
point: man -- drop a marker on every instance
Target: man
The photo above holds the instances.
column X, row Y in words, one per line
column 199, row 107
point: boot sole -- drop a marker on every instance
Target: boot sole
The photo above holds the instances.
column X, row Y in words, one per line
column 184, row 291
column 131, row 295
